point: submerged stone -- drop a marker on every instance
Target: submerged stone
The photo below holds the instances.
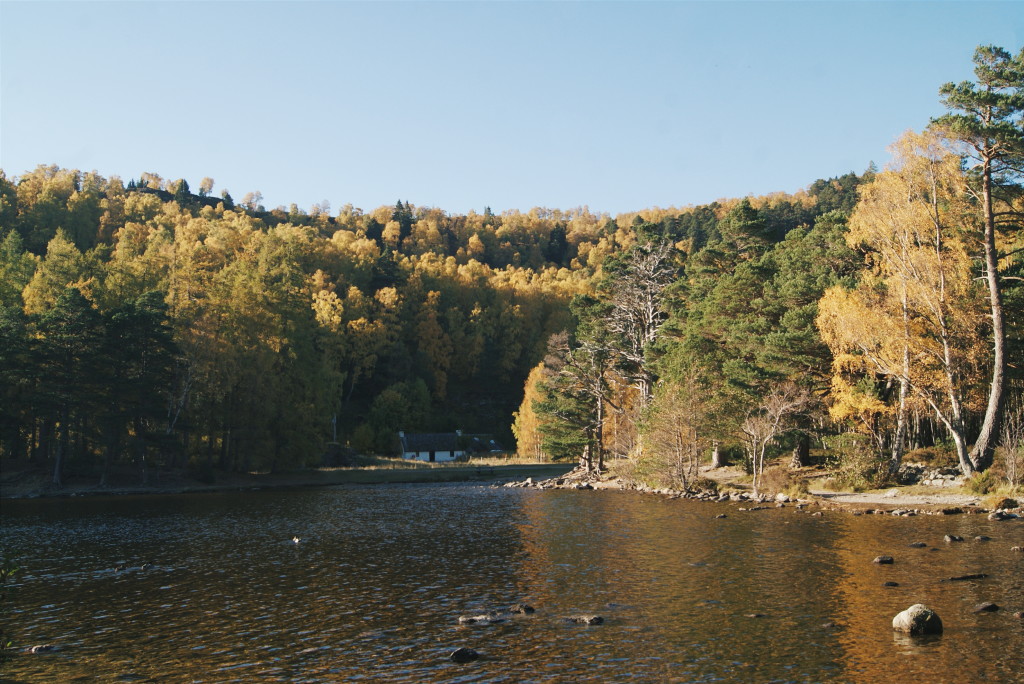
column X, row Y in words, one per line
column 585, row 619
column 464, row 655
column 521, row 609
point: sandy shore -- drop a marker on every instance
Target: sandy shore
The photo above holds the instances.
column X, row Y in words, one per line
column 895, row 499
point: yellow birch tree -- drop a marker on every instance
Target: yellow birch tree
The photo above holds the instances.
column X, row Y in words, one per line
column 916, row 315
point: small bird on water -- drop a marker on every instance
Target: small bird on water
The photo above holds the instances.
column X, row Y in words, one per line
column 295, row 539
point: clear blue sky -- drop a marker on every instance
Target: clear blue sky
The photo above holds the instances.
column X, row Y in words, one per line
column 460, row 105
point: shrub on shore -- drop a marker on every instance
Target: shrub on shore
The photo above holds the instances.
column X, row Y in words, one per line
column 782, row 480
column 855, row 465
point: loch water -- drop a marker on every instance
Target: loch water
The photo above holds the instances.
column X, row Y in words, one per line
column 211, row 588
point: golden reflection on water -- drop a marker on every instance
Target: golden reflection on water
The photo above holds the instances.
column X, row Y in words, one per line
column 374, row 590
column 969, row 648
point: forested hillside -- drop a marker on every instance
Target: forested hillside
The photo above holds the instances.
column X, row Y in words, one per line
column 143, row 323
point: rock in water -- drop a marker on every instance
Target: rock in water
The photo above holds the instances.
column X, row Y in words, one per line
column 917, row 619
column 883, row 560
column 487, row 618
column 521, row 609
column 585, row 619
column 464, row 655
column 986, row 607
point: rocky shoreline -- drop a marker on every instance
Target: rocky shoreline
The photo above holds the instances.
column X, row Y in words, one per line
column 891, row 502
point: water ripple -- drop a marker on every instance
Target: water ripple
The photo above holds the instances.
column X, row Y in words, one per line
column 212, row 588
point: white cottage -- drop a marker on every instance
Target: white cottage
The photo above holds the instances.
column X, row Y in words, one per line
column 438, row 446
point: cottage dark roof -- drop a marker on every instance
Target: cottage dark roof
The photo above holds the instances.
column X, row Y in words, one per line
column 427, row 441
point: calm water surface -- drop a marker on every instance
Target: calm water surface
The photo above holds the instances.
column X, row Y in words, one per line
column 374, row 589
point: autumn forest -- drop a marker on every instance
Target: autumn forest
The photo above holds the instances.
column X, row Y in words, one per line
column 147, row 323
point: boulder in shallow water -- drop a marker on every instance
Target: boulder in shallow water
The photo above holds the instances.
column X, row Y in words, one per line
column 986, row 607
column 916, row 620
column 953, row 538
column 883, row 560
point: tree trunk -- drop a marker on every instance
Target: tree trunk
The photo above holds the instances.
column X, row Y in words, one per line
column 753, row 467
column 62, row 443
column 801, row 452
column 716, row 455
column 110, row 453
column 140, row 450
column 898, row 440
column 981, row 454
column 585, row 461
column 961, row 452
